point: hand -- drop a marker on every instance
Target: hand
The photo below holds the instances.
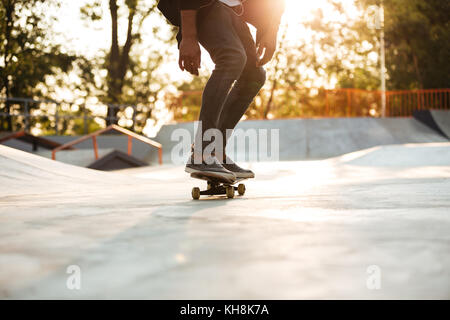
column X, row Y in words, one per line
column 267, row 45
column 190, row 55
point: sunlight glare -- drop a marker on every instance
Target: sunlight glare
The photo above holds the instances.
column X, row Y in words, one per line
column 299, row 12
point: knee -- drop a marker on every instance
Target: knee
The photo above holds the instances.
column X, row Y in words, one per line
column 259, row 77
column 233, row 62
column 256, row 78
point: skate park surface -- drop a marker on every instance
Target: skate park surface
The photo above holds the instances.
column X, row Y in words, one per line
column 304, row 229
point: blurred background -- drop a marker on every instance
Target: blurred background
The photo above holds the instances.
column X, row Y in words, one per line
column 73, row 67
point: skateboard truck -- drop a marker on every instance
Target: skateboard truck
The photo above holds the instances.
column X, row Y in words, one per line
column 217, row 187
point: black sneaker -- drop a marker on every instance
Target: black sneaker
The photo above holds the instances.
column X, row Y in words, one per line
column 213, row 170
column 238, row 171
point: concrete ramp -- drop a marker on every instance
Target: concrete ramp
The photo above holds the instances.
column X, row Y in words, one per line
column 438, row 120
column 23, row 173
column 401, row 156
column 83, row 153
column 309, row 139
column 304, row 229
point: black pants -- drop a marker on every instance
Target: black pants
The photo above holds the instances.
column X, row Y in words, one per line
column 228, row 40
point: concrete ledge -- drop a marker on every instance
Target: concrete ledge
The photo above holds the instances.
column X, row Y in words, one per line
column 309, row 139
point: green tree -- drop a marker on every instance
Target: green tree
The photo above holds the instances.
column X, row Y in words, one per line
column 417, row 42
column 336, row 52
column 131, row 79
column 27, row 53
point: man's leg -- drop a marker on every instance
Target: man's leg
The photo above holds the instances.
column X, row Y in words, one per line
column 217, row 34
column 246, row 87
column 240, row 98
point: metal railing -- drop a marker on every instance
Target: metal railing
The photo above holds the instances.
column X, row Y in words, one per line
column 285, row 102
column 131, row 135
column 404, row 103
column 343, row 102
column 352, row 103
column 356, row 102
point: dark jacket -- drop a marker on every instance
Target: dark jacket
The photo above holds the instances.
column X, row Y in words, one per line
column 171, row 8
column 263, row 14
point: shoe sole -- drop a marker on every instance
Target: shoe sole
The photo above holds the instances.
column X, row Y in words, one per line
column 244, row 175
column 229, row 177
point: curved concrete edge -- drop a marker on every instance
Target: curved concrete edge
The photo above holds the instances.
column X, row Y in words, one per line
column 438, row 120
column 405, row 156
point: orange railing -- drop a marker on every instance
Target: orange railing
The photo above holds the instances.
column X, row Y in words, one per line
column 114, row 127
column 352, row 103
column 342, row 102
column 404, row 103
column 356, row 102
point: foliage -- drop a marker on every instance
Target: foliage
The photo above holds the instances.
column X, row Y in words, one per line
column 417, row 42
column 340, row 51
column 132, row 67
column 27, row 53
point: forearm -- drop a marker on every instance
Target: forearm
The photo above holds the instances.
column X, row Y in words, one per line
column 277, row 13
column 190, row 54
column 265, row 15
column 266, row 36
column 189, row 24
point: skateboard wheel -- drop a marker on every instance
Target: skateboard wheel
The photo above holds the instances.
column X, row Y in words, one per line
column 241, row 189
column 230, row 192
column 195, row 193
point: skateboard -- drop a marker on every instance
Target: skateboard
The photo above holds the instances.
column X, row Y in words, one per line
column 216, row 186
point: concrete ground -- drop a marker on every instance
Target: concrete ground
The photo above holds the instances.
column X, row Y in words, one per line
column 310, row 229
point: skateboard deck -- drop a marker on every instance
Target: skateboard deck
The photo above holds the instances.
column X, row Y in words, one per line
column 217, row 186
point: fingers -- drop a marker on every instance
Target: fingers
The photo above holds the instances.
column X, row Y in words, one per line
column 194, row 69
column 180, row 62
column 187, row 64
column 268, row 55
column 195, row 63
column 190, row 64
column 264, row 60
column 199, row 61
column 260, row 51
column 190, row 56
column 193, row 66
